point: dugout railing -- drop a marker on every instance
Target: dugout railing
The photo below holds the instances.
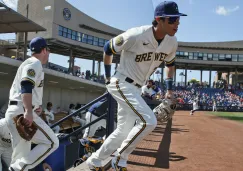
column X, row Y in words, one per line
column 110, row 116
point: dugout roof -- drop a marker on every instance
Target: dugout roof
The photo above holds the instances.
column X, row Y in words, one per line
column 12, row 21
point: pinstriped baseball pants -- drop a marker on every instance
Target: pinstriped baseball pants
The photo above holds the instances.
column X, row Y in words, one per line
column 135, row 120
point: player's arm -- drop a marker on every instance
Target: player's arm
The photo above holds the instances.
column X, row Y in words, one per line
column 28, row 78
column 123, row 41
column 169, row 71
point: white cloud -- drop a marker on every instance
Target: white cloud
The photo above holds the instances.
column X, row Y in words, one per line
column 221, row 10
column 11, row 3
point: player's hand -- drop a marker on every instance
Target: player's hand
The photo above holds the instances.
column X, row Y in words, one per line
column 46, row 167
column 38, row 110
column 107, row 80
column 28, row 118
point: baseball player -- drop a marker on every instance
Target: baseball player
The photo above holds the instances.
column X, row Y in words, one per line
column 25, row 99
column 5, row 144
column 50, row 117
column 195, row 106
column 143, row 49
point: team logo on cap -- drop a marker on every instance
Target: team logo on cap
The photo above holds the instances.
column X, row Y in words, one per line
column 31, row 73
column 119, row 41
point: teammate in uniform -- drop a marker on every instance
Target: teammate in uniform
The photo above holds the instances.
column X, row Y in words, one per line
column 142, row 49
column 194, row 106
column 5, row 145
column 26, row 98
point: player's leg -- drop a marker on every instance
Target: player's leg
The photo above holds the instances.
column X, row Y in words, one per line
column 20, row 146
column 131, row 108
column 46, row 141
column 6, row 156
column 1, row 166
column 88, row 120
column 115, row 140
column 145, row 123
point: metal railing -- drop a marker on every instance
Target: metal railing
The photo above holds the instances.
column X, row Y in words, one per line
column 109, row 117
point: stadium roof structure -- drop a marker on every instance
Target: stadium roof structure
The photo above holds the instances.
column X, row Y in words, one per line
column 229, row 45
column 12, row 21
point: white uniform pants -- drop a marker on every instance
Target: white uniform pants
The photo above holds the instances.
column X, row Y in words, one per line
column 23, row 157
column 214, row 108
column 79, row 120
column 5, row 156
column 135, row 120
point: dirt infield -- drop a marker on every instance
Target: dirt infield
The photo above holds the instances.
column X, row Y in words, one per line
column 191, row 143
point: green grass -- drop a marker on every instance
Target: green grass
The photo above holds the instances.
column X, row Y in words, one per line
column 237, row 116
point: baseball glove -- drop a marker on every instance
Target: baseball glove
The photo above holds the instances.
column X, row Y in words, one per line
column 26, row 132
column 165, row 110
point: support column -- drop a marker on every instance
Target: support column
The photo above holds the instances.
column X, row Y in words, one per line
column 26, row 35
column 228, row 76
column 99, row 68
column 175, row 76
column 93, row 67
column 72, row 68
column 236, row 76
column 70, row 61
column 201, row 76
column 186, row 76
column 210, row 75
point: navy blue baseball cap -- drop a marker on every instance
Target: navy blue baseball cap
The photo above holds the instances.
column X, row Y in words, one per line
column 37, row 43
column 167, row 9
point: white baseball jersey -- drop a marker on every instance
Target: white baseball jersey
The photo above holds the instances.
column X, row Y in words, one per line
column 5, row 137
column 195, row 105
column 146, row 90
column 49, row 116
column 31, row 70
column 140, row 53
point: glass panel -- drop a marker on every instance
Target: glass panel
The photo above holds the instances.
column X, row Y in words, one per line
column 60, row 33
column 96, row 41
column 101, row 42
column 234, row 57
column 195, row 54
column 84, row 38
column 60, row 28
column 205, row 55
column 181, row 53
column 228, row 56
column 177, row 53
column 64, row 34
column 90, row 39
column 186, row 53
column 69, row 36
column 215, row 57
column 241, row 58
column 190, row 57
column 210, row 56
column 69, row 31
column 190, row 53
column 65, row 29
column 200, row 54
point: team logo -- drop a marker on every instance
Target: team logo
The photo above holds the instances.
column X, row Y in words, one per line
column 67, row 14
column 119, row 41
column 31, row 73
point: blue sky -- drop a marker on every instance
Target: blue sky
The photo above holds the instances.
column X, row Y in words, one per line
column 207, row 21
